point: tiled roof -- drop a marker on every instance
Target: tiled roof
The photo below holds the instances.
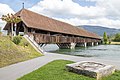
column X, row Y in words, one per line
column 34, row 20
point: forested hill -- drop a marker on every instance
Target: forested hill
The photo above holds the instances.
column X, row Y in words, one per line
column 100, row 30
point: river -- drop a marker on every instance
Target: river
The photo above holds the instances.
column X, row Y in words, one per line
column 109, row 52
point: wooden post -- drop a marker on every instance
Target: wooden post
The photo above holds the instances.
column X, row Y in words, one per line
column 9, row 31
column 15, row 29
column 25, row 29
column 12, row 30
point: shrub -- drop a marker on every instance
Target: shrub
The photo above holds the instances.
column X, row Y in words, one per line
column 17, row 39
column 25, row 43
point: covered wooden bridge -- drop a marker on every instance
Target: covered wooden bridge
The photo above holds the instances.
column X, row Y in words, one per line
column 45, row 30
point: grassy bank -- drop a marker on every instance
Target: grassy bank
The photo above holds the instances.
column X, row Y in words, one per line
column 115, row 43
column 56, row 71
column 11, row 53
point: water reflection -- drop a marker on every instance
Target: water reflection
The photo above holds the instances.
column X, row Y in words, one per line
column 101, row 52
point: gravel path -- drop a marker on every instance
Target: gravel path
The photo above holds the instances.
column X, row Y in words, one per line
column 15, row 71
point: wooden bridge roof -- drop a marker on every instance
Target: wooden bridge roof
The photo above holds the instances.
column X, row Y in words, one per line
column 34, row 20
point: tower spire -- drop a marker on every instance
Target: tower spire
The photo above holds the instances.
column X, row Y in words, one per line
column 23, row 6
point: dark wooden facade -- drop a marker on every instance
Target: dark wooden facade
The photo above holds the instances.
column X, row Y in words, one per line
column 48, row 39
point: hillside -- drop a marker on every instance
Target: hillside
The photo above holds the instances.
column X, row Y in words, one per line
column 100, row 30
column 11, row 53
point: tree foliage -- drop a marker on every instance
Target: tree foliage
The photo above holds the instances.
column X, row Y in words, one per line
column 17, row 39
column 117, row 37
column 105, row 38
column 10, row 18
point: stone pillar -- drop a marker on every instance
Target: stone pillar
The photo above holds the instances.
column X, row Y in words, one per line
column 97, row 43
column 92, row 43
column 66, row 45
column 72, row 46
column 79, row 45
column 85, row 44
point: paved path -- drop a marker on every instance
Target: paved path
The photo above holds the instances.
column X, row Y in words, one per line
column 15, row 71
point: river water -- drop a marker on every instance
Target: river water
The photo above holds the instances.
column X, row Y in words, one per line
column 109, row 52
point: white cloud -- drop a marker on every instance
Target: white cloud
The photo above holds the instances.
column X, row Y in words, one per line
column 112, row 8
column 105, row 12
column 4, row 9
column 67, row 8
column 99, row 22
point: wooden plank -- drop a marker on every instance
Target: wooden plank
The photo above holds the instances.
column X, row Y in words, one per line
column 45, row 38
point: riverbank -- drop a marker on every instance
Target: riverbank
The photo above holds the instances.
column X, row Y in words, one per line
column 115, row 43
column 26, row 67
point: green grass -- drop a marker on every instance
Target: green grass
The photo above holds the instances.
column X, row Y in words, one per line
column 56, row 70
column 11, row 53
column 115, row 76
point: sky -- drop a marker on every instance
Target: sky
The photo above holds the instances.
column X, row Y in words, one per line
column 76, row 12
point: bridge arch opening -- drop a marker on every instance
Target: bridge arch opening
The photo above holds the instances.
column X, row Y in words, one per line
column 50, row 47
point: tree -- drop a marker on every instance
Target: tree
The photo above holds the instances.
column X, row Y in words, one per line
column 105, row 38
column 117, row 37
column 10, row 18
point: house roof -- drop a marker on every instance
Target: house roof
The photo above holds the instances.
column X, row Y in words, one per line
column 35, row 20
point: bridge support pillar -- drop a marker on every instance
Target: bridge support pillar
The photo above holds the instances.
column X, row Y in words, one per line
column 66, row 45
column 79, row 45
column 92, row 43
column 85, row 44
column 96, row 43
column 72, row 46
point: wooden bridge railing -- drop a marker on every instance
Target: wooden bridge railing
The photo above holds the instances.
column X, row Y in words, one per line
column 45, row 38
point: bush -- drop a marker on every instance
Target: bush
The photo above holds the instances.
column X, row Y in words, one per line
column 17, row 39
column 25, row 43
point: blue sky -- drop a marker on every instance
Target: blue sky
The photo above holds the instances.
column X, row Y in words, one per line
column 76, row 12
column 85, row 3
column 16, row 5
